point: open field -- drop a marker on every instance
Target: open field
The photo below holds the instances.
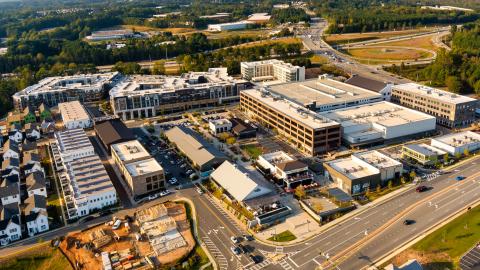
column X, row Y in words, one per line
column 386, row 53
column 357, row 37
column 443, row 248
column 41, row 257
column 212, row 35
column 270, row 42
column 424, row 42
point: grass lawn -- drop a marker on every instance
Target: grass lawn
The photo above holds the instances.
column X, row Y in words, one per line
column 241, row 33
column 357, row 37
column 444, row 247
column 270, row 42
column 40, row 258
column 285, row 236
column 377, row 53
column 252, row 150
column 318, row 59
column 420, row 42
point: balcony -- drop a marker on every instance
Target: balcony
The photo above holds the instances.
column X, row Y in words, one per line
column 299, row 177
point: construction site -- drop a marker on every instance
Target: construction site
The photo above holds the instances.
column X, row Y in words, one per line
column 154, row 237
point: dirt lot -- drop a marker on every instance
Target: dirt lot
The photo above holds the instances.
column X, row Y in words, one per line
column 126, row 242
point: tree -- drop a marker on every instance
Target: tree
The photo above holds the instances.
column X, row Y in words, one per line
column 454, row 84
column 390, row 184
column 230, row 140
column 300, row 192
column 446, row 158
column 458, row 155
column 466, row 152
column 158, row 68
column 413, row 174
column 402, row 180
column 379, row 188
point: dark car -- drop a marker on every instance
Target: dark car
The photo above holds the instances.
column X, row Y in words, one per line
column 460, row 178
column 421, row 188
column 87, row 219
column 248, row 237
column 255, row 259
column 408, row 222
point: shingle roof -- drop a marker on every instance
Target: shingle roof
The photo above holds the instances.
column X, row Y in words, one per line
column 240, row 126
column 366, row 83
column 9, row 210
column 33, row 215
column 291, row 165
column 10, row 145
column 4, row 223
column 113, row 131
column 35, row 180
column 35, row 201
column 30, row 157
column 29, row 127
column 10, row 180
column 11, row 162
column 9, row 190
column 29, row 146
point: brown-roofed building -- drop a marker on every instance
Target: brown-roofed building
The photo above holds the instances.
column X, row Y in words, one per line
column 242, row 129
column 384, row 88
column 113, row 131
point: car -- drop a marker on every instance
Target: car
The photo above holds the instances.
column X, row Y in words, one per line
column 421, row 189
column 117, row 224
column 173, row 181
column 408, row 222
column 189, row 172
column 172, row 162
column 153, row 196
column 234, row 239
column 164, row 193
column 460, row 178
column 165, row 156
column 245, row 249
column 199, row 190
column 255, row 259
column 183, row 165
column 236, row 250
column 248, row 237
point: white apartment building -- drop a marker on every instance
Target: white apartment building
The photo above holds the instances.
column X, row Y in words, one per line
column 85, row 183
column 272, row 70
column 219, row 125
column 74, row 115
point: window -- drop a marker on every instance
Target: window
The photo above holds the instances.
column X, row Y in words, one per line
column 149, row 187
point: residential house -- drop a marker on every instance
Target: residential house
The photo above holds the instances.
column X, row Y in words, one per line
column 47, row 126
column 31, row 163
column 32, row 131
column 10, row 167
column 10, row 150
column 15, row 133
column 10, row 229
column 36, row 216
column 9, row 193
column 31, row 147
column 36, row 184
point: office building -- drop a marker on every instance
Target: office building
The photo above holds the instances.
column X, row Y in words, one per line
column 458, row 143
column 362, row 171
column 54, row 90
column 84, row 182
column 200, row 153
column 451, row 110
column 310, row 133
column 110, row 34
column 142, row 173
column 378, row 122
column 74, row 115
column 274, row 71
column 324, row 94
column 423, row 153
column 138, row 96
column 290, row 171
column 218, row 126
column 384, row 88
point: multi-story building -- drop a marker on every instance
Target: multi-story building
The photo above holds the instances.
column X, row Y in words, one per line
column 142, row 173
column 324, row 94
column 363, row 171
column 85, row 183
column 54, row 90
column 384, row 88
column 147, row 96
column 74, row 115
column 375, row 123
column 290, row 171
column 228, row 26
column 272, row 70
column 451, row 110
column 309, row 132
column 219, row 125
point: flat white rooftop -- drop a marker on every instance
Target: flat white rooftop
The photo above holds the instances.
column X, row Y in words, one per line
column 277, row 157
column 350, row 168
column 154, row 84
column 220, row 122
column 459, row 139
column 377, row 159
column 275, row 62
column 73, row 111
column 322, row 91
column 143, row 167
column 383, row 113
column 290, row 109
column 131, row 150
column 425, row 149
column 433, row 93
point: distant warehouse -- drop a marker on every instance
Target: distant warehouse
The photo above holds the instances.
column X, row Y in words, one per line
column 138, row 96
column 451, row 110
column 54, row 90
column 379, row 122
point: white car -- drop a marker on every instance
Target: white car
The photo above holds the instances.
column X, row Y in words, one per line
column 153, row 196
column 173, row 181
column 164, row 193
column 234, row 239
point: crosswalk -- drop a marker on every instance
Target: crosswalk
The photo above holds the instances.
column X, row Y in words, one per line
column 285, row 265
column 219, row 257
column 224, row 214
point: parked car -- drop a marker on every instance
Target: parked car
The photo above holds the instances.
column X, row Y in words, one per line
column 117, row 224
column 421, row 189
column 153, row 196
column 164, row 193
column 234, row 239
column 460, row 178
column 255, row 259
column 236, row 250
column 248, row 237
column 199, row 190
